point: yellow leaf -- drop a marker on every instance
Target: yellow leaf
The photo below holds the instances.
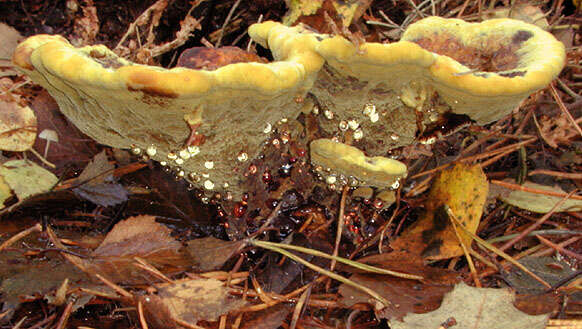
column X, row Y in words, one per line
column 464, row 189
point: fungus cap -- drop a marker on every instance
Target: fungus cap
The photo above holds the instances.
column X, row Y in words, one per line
column 342, row 159
column 483, row 70
column 159, row 110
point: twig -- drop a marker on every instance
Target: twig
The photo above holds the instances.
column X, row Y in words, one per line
column 20, row 235
column 355, row 264
column 534, row 190
column 472, row 268
column 250, row 39
column 115, row 287
column 564, row 109
column 512, row 147
column 560, row 174
column 141, row 263
column 228, row 17
column 325, row 272
column 159, row 5
column 42, row 158
column 533, row 233
column 567, row 89
column 299, row 307
column 558, row 248
column 142, row 320
column 496, row 250
column 65, row 316
column 536, row 224
column 340, row 225
column 548, row 251
column 269, row 220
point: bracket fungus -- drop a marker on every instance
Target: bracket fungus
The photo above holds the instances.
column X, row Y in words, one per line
column 351, row 165
column 208, row 125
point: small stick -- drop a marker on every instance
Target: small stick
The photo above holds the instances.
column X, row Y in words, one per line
column 340, row 225
column 115, row 287
column 535, row 190
column 536, row 224
column 496, row 250
column 142, row 320
column 20, row 235
column 555, row 174
column 228, row 17
column 472, row 268
column 564, row 109
column 65, row 316
column 141, row 263
column 558, row 248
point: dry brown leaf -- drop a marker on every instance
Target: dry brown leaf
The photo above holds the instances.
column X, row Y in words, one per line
column 312, row 13
column 9, row 38
column 24, row 280
column 138, row 236
column 98, row 184
column 406, row 296
column 476, row 308
column 86, row 27
column 462, row 188
column 189, row 301
column 211, row 253
column 557, row 130
column 17, row 127
column 524, row 12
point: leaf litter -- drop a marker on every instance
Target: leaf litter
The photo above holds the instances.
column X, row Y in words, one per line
column 186, row 271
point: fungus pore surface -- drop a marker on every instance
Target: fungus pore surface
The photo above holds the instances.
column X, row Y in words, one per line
column 209, row 125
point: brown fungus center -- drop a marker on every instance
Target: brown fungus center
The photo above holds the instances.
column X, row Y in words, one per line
column 494, row 54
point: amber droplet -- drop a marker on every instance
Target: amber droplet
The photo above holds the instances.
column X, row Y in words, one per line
column 239, row 209
column 267, row 177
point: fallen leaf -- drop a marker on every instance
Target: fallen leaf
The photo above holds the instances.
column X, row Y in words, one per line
column 26, row 178
column 312, row 13
column 462, row 188
column 5, row 192
column 138, row 236
column 189, row 301
column 86, row 27
column 9, row 39
column 556, row 130
column 474, row 308
column 211, row 253
column 537, row 202
column 523, row 12
column 98, row 183
column 25, row 280
column 17, row 127
column 549, row 269
column 406, row 296
column 270, row 318
column 298, row 8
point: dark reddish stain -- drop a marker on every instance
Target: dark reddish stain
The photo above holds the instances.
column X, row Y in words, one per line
column 202, row 58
